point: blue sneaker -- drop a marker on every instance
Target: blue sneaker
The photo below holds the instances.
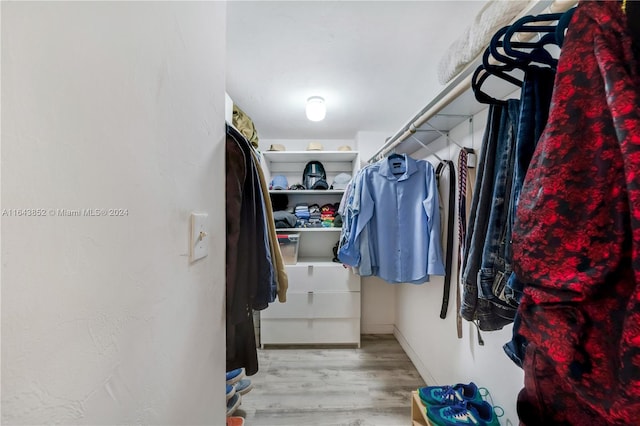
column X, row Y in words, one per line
column 464, row 413
column 449, row 395
column 233, row 404
column 243, row 386
column 234, row 376
column 231, row 390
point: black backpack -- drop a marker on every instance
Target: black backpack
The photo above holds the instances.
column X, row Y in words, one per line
column 314, row 176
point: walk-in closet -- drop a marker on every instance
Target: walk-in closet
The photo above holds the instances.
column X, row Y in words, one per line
column 314, row 213
column 438, row 252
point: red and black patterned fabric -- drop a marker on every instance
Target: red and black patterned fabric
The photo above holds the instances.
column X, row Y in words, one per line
column 576, row 240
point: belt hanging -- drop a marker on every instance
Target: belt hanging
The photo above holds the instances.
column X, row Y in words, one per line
column 450, row 222
column 464, row 172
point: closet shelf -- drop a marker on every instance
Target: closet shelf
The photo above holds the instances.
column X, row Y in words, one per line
column 456, row 103
column 303, row 156
column 316, row 261
column 308, row 229
column 307, row 191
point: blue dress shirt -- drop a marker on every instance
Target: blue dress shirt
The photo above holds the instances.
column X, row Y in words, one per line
column 399, row 210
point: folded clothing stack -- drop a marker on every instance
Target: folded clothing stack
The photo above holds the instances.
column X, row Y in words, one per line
column 302, row 211
column 284, row 219
column 315, row 220
column 327, row 215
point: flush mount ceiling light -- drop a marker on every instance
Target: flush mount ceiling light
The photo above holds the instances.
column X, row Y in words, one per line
column 316, row 108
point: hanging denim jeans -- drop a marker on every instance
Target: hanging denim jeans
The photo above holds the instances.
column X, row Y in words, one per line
column 493, row 272
column 479, row 216
column 534, row 111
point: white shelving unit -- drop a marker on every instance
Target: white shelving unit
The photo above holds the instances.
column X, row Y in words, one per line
column 323, row 299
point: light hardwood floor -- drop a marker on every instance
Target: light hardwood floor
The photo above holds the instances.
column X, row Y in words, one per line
column 342, row 386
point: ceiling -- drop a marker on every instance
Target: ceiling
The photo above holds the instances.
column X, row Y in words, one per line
column 375, row 62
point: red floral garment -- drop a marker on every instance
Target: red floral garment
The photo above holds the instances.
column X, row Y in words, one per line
column 576, row 240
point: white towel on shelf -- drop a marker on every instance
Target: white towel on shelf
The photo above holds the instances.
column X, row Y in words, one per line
column 476, row 37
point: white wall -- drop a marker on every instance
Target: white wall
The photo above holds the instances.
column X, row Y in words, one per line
column 112, row 105
column 432, row 343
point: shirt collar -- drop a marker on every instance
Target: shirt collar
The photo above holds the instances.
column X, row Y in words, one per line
column 385, row 170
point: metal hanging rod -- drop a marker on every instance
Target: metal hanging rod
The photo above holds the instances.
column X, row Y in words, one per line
column 459, row 85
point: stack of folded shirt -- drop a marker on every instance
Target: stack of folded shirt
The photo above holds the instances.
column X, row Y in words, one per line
column 315, row 218
column 284, row 219
column 302, row 213
column 327, row 215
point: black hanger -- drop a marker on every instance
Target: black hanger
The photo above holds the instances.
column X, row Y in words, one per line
column 538, row 53
column 480, row 75
column 494, row 53
column 563, row 24
column 486, row 70
column 395, row 155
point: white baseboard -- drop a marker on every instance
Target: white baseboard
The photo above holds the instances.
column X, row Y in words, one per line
column 413, row 356
column 377, row 329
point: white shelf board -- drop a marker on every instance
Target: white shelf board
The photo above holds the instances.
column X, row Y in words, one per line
column 301, row 156
column 314, row 261
column 289, row 230
column 307, row 191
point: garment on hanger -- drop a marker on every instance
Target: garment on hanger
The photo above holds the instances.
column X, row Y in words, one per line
column 281, row 280
column 395, row 207
column 576, row 237
column 491, row 292
column 251, row 279
column 474, row 307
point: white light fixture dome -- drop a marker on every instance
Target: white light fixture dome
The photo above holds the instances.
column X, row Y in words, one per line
column 316, row 108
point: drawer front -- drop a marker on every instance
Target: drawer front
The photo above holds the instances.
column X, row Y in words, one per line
column 316, row 331
column 315, row 305
column 319, row 278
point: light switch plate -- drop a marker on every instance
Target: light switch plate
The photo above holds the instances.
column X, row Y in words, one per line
column 199, row 236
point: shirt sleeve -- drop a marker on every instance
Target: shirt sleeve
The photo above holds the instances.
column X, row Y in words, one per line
column 361, row 213
column 435, row 265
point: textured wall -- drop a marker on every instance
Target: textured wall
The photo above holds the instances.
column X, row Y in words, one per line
column 113, row 105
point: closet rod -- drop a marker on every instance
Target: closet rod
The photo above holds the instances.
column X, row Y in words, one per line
column 461, row 83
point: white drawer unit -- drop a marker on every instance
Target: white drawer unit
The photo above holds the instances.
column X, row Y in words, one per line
column 323, row 307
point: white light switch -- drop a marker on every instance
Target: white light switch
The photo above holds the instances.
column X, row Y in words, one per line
column 199, row 236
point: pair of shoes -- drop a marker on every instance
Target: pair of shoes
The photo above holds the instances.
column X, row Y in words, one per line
column 233, row 403
column 243, row 386
column 237, row 386
column 234, row 376
column 449, row 395
column 464, row 413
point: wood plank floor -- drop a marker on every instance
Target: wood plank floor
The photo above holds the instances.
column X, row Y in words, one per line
column 342, row 386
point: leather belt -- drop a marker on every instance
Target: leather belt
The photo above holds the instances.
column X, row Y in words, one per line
column 450, row 222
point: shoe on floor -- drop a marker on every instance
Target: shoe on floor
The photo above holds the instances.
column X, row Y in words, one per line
column 464, row 413
column 234, row 376
column 243, row 386
column 235, row 421
column 449, row 395
column 233, row 404
column 231, row 390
